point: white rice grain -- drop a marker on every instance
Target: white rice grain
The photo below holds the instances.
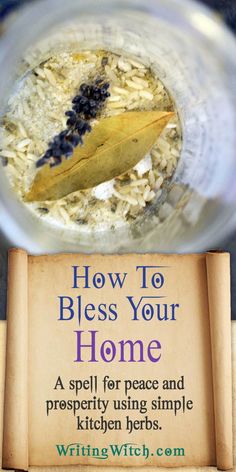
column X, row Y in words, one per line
column 146, row 94
column 114, row 63
column 22, row 144
column 169, row 167
column 7, row 153
column 133, row 85
column 118, row 195
column 156, row 154
column 126, row 209
column 13, row 170
column 125, row 198
column 20, row 111
column 131, row 200
column 125, row 189
column 40, row 92
column 163, row 145
column 50, row 76
column 174, row 152
column 133, row 177
column 163, row 164
column 137, row 64
column 9, row 139
column 151, row 178
column 171, row 126
column 159, row 182
column 140, row 81
column 21, row 155
column 114, row 98
column 133, row 97
column 150, row 196
column 22, row 130
column 124, row 66
column 40, row 72
column 31, row 157
column 120, row 207
column 131, row 73
column 136, row 183
column 26, row 107
column 141, row 201
column 146, row 192
column 110, row 73
column 120, row 90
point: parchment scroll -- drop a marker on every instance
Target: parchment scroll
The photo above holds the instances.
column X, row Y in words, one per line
column 196, row 347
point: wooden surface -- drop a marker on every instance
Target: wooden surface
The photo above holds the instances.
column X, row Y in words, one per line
column 131, row 469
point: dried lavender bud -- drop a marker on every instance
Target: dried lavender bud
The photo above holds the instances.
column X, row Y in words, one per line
column 83, row 127
column 84, row 101
column 70, row 114
column 88, row 127
column 79, row 124
column 93, row 103
column 78, row 108
column 75, row 140
column 48, row 154
column 71, row 121
column 84, row 89
column 95, row 89
column 56, row 142
column 93, row 113
column 57, row 152
column 84, row 107
column 96, row 95
column 63, row 134
column 105, row 94
column 66, row 149
column 77, row 99
column 98, row 81
column 41, row 162
column 104, row 90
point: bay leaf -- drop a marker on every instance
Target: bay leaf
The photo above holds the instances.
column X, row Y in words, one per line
column 114, row 146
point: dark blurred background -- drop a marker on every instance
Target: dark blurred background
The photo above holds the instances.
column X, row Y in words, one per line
column 226, row 9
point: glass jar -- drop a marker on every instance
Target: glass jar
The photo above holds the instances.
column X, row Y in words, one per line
column 194, row 56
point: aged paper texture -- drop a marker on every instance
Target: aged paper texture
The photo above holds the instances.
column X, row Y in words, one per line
column 189, row 356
